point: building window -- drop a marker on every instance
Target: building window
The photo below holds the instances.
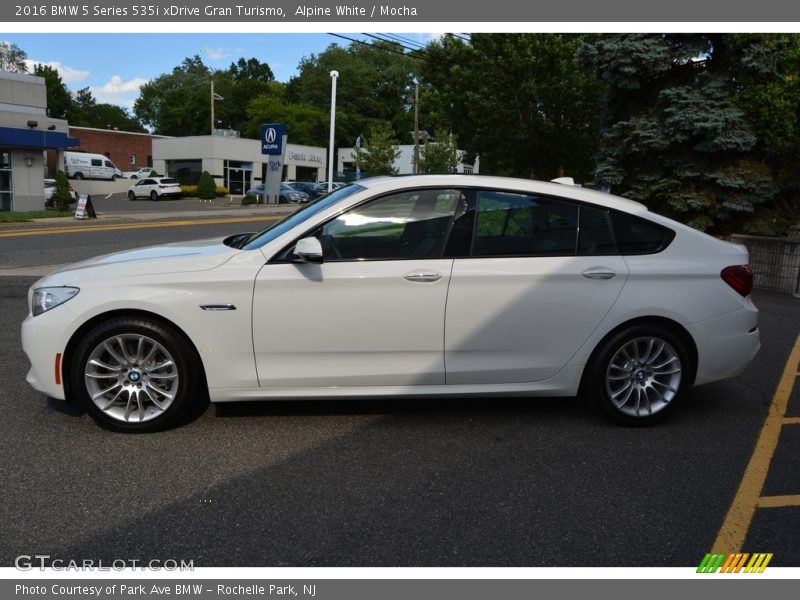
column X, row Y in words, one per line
column 133, row 159
column 187, row 172
column 6, row 190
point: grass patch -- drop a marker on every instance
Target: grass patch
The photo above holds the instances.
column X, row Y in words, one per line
column 25, row 216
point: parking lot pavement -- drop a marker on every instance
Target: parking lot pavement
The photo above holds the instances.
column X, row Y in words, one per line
column 480, row 482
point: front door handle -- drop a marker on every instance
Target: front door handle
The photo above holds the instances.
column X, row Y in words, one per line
column 599, row 273
column 423, row 276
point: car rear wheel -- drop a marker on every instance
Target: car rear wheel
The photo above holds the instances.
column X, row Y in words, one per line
column 78, row 175
column 153, row 195
column 135, row 375
column 638, row 374
column 131, row 196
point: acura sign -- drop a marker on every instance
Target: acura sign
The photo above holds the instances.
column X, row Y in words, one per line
column 272, row 139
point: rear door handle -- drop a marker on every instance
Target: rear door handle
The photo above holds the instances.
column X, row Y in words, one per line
column 423, row 276
column 599, row 273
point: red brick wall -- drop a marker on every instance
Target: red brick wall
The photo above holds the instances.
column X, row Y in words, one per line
column 117, row 145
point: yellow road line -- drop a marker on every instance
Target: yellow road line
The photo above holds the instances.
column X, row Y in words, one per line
column 778, row 501
column 734, row 529
column 120, row 226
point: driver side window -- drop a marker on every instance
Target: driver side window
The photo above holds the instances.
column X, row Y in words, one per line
column 412, row 224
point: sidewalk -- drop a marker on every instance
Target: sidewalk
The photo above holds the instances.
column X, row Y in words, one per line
column 203, row 211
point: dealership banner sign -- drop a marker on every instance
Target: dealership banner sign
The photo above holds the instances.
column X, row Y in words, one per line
column 412, row 11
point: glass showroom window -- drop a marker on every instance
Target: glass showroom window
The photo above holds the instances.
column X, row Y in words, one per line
column 6, row 191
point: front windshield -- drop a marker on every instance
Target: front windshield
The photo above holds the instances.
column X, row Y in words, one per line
column 297, row 217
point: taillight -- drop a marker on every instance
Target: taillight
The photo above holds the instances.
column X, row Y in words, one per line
column 740, row 278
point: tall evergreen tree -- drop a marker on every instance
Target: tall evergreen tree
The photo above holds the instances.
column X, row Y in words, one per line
column 681, row 132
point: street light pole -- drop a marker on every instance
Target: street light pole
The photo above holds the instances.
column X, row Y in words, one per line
column 334, row 77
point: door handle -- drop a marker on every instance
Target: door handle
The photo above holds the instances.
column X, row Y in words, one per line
column 423, row 276
column 599, row 273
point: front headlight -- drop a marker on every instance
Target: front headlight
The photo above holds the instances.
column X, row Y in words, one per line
column 45, row 298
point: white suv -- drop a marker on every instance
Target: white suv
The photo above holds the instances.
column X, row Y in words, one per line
column 155, row 188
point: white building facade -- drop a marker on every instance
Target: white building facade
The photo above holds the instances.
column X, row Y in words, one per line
column 404, row 163
column 234, row 162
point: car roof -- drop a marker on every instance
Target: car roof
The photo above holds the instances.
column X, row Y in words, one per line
column 572, row 192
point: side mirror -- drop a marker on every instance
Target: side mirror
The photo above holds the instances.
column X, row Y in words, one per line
column 308, row 250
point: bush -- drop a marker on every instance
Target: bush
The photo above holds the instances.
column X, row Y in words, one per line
column 189, row 190
column 221, row 191
column 206, row 187
column 249, row 199
column 62, row 196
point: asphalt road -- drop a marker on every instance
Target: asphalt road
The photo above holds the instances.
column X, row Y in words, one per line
column 484, row 482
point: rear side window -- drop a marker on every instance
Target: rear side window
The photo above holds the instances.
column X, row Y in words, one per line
column 637, row 236
column 96, row 162
column 169, row 182
column 509, row 224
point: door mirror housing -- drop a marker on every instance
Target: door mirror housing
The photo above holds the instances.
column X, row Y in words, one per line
column 308, row 250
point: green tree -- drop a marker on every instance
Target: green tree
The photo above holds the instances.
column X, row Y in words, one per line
column 304, row 124
column 62, row 197
column 374, row 86
column 177, row 103
column 378, row 151
column 59, row 100
column 439, row 157
column 12, row 58
column 688, row 127
column 517, row 100
column 206, row 186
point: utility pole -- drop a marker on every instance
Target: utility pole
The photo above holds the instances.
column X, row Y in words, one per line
column 416, row 129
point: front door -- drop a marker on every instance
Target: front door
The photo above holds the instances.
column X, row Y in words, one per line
column 373, row 313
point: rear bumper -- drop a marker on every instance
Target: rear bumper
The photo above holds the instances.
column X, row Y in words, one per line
column 726, row 344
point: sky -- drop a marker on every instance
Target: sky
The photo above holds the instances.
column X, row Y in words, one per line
column 114, row 66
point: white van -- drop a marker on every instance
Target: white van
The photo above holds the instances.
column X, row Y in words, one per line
column 82, row 165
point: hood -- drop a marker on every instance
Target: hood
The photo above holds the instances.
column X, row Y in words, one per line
column 200, row 255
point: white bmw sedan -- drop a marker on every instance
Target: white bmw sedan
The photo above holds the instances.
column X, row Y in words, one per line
column 409, row 287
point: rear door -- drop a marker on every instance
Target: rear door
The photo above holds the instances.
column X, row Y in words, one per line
column 528, row 288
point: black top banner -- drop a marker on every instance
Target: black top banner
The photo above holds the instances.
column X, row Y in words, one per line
column 413, row 11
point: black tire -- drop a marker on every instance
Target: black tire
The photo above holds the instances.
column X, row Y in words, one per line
column 154, row 195
column 78, row 175
column 283, row 200
column 131, row 196
column 631, row 380
column 172, row 370
column 114, row 177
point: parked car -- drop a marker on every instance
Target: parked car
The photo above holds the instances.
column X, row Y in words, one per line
column 286, row 195
column 155, row 188
column 436, row 285
column 83, row 165
column 50, row 189
column 322, row 187
column 138, row 173
column 312, row 189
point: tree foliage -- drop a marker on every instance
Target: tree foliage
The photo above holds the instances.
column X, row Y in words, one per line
column 206, row 186
column 378, row 151
column 517, row 100
column 695, row 123
column 374, row 86
column 12, row 58
column 62, row 197
column 439, row 157
column 59, row 100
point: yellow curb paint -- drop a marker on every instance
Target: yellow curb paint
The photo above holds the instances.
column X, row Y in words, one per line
column 778, row 501
column 122, row 226
column 737, row 522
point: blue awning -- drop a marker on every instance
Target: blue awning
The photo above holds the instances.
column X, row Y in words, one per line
column 35, row 138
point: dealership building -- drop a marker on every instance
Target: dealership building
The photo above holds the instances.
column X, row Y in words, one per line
column 26, row 134
column 234, row 162
column 404, row 163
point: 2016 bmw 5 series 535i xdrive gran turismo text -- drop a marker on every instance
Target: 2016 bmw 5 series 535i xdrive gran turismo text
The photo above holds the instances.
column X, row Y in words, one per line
column 408, row 287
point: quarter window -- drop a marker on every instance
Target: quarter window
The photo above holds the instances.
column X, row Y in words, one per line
column 412, row 224
column 510, row 224
column 637, row 236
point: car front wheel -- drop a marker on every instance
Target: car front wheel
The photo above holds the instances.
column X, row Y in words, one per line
column 135, row 375
column 131, row 196
column 638, row 374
